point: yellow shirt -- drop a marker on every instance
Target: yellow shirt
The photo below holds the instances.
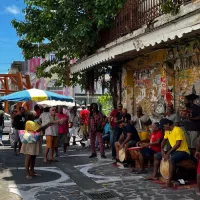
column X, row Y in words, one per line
column 32, row 126
column 175, row 135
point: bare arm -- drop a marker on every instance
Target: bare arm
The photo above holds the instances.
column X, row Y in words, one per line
column 128, row 138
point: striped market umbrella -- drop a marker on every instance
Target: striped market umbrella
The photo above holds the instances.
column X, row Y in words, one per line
column 35, row 95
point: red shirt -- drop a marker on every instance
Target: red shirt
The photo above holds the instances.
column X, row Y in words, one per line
column 113, row 116
column 84, row 114
column 63, row 128
column 153, row 138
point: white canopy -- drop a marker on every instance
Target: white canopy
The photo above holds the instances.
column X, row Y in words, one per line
column 50, row 103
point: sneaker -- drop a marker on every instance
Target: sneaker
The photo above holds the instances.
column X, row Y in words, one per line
column 103, row 156
column 94, row 155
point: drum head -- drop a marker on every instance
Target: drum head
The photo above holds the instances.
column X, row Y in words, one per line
column 164, row 169
column 122, row 155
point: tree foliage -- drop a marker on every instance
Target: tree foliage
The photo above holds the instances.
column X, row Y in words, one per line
column 69, row 28
column 106, row 103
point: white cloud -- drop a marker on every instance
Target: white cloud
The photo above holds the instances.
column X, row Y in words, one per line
column 12, row 9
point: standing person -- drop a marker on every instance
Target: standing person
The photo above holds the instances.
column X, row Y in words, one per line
column 142, row 123
column 95, row 130
column 31, row 150
column 171, row 115
column 75, row 120
column 63, row 130
column 19, row 124
column 191, row 121
column 115, row 130
column 84, row 115
column 1, row 123
column 51, row 134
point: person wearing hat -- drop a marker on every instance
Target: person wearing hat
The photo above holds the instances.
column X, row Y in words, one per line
column 129, row 138
column 191, row 120
column 179, row 150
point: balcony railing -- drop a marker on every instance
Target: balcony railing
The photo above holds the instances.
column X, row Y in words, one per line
column 132, row 16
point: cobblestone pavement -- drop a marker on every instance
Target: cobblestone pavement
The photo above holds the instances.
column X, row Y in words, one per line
column 76, row 177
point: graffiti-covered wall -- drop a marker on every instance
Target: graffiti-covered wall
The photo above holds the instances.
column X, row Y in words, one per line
column 162, row 78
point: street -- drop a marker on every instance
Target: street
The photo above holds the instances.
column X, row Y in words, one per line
column 76, row 177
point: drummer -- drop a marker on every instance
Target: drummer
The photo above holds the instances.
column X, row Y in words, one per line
column 128, row 138
column 179, row 150
column 151, row 146
column 142, row 123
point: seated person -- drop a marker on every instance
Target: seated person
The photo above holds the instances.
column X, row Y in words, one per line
column 106, row 132
column 151, row 146
column 179, row 150
column 128, row 138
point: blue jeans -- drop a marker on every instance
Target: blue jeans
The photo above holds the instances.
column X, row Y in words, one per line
column 175, row 157
column 116, row 135
column 1, row 132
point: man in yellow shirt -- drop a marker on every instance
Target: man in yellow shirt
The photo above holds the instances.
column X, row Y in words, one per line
column 179, row 149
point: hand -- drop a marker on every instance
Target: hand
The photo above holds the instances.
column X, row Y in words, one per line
column 163, row 154
column 138, row 144
column 145, row 144
column 166, row 157
column 197, row 155
column 121, row 146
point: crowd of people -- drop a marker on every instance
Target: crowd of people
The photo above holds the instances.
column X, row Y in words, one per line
column 165, row 139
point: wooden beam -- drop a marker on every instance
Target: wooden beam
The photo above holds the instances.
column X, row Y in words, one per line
column 20, row 81
column 14, row 80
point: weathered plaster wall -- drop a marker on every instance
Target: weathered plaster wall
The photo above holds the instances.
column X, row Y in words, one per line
column 162, row 78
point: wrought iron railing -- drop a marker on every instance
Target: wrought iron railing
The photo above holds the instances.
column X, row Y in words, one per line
column 132, row 16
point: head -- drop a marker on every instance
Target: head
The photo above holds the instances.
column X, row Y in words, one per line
column 1, row 106
column 170, row 110
column 21, row 110
column 83, row 107
column 105, row 119
column 139, row 110
column 94, row 107
column 36, row 107
column 46, row 109
column 60, row 109
column 124, row 111
column 14, row 112
column 88, row 106
column 155, row 127
column 74, row 109
column 52, row 111
column 119, row 107
column 189, row 100
column 31, row 115
column 168, row 125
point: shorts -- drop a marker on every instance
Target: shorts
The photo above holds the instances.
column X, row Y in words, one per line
column 147, row 152
column 191, row 137
column 84, row 128
column 198, row 168
column 73, row 131
column 175, row 157
column 131, row 143
column 63, row 139
column 51, row 141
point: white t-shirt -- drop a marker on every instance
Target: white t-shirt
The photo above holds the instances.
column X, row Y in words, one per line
column 140, row 122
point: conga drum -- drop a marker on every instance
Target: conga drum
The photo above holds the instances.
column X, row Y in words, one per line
column 122, row 155
column 164, row 169
column 134, row 154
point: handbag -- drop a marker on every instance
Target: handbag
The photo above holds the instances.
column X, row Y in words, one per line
column 29, row 137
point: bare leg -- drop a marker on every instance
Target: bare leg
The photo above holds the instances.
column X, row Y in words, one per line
column 32, row 165
column 171, row 173
column 117, row 149
column 20, row 145
column 141, row 161
column 198, row 184
column 156, row 166
column 46, row 154
column 27, row 164
column 52, row 153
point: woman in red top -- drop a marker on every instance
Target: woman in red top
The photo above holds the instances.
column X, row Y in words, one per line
column 151, row 146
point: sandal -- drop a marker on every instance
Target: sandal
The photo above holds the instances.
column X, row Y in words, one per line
column 36, row 174
column 28, row 177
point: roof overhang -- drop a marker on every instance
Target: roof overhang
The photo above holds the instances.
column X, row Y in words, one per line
column 166, row 28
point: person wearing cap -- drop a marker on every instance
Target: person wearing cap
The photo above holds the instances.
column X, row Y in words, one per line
column 191, row 120
column 179, row 150
column 129, row 138
column 150, row 146
column 142, row 123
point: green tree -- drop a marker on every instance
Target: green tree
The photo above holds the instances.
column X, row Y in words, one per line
column 69, row 27
column 106, row 103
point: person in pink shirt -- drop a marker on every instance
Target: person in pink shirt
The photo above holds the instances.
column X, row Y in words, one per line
column 63, row 130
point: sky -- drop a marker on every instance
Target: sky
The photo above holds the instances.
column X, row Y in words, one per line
column 9, row 51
